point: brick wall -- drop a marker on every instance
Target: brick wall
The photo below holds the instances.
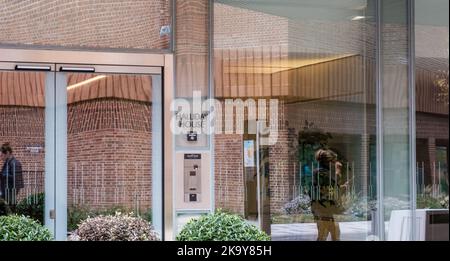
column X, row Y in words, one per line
column 281, row 173
column 87, row 24
column 229, row 176
column 109, row 151
column 110, row 168
column 243, row 28
column 229, row 170
column 281, row 163
column 23, row 128
column 191, row 49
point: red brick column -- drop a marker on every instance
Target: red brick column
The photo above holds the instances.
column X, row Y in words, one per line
column 281, row 165
column 229, row 175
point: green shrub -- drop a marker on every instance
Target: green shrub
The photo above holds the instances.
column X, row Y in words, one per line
column 21, row 228
column 444, row 202
column 77, row 214
column 32, row 206
column 428, row 202
column 148, row 215
column 220, row 226
column 120, row 227
column 4, row 208
column 299, row 205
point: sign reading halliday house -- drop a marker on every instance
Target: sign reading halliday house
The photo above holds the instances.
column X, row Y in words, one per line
column 187, row 124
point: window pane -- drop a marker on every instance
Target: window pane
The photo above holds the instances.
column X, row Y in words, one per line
column 22, row 141
column 395, row 97
column 113, row 145
column 432, row 66
column 316, row 61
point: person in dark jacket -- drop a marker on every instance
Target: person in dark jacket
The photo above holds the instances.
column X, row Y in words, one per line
column 325, row 196
column 11, row 180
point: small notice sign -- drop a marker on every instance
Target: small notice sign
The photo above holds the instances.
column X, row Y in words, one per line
column 249, row 153
column 34, row 149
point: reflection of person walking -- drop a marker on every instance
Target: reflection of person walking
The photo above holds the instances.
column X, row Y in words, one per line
column 11, row 180
column 324, row 203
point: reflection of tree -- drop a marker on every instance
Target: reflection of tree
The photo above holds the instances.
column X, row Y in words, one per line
column 441, row 82
column 310, row 139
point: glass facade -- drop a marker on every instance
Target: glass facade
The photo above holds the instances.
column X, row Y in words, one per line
column 343, row 76
column 112, row 148
column 312, row 120
column 23, row 131
column 318, row 62
column 431, row 117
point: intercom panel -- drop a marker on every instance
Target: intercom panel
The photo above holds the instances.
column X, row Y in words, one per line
column 192, row 170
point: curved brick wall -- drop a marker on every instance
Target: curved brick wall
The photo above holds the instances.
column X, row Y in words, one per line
column 109, row 151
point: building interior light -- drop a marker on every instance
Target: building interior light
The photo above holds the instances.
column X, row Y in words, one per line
column 358, row 17
column 97, row 78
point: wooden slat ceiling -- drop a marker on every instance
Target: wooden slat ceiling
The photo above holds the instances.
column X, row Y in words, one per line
column 259, row 73
column 22, row 88
column 267, row 73
column 135, row 87
column 337, row 80
column 28, row 88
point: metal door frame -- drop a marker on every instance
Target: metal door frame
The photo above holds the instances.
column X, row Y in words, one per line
column 107, row 62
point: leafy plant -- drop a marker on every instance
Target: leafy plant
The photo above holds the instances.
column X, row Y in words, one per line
column 313, row 137
column 359, row 206
column 232, row 212
column 4, row 208
column 148, row 215
column 220, row 226
column 428, row 202
column 21, row 228
column 32, row 206
column 118, row 227
column 444, row 202
column 78, row 213
column 310, row 139
column 299, row 205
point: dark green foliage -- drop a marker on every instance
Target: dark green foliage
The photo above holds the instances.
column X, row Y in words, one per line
column 77, row 214
column 220, row 226
column 21, row 228
column 4, row 208
column 32, row 206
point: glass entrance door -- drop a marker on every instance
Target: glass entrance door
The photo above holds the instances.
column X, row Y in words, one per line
column 27, row 147
column 108, row 144
column 83, row 140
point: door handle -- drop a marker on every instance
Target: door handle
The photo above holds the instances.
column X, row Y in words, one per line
column 77, row 69
column 52, row 214
column 33, row 68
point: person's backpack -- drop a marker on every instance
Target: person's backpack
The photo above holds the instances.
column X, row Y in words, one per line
column 330, row 195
